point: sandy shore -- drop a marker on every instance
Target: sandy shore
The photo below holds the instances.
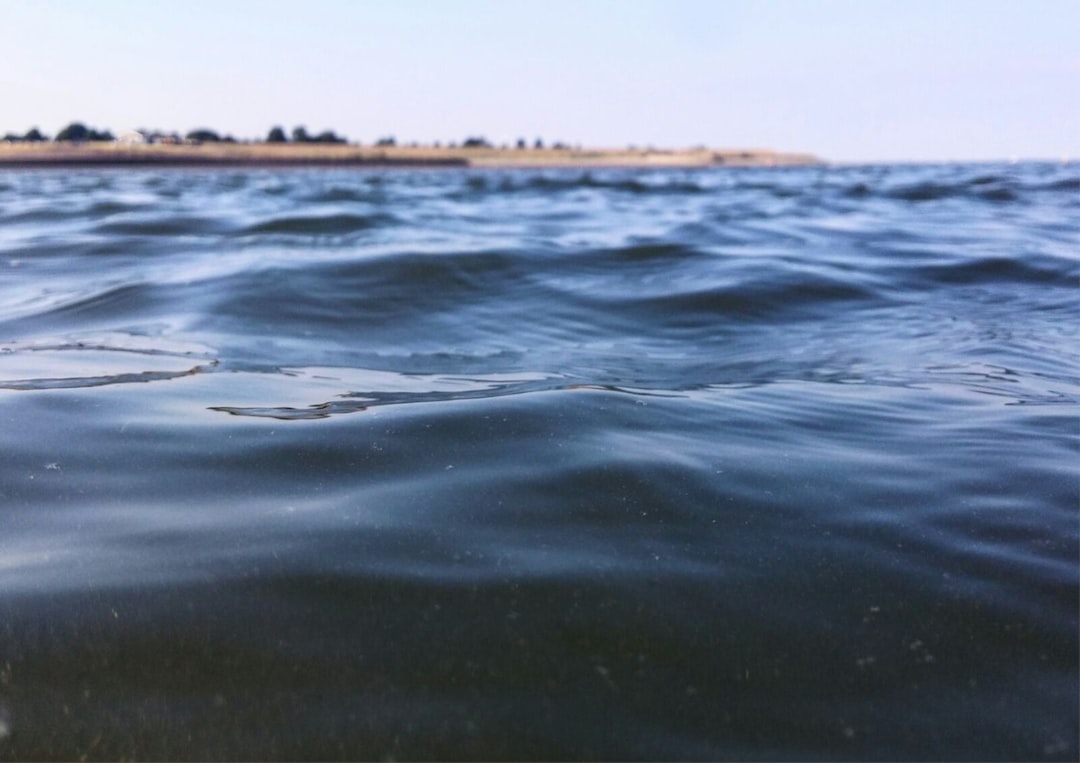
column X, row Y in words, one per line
column 262, row 154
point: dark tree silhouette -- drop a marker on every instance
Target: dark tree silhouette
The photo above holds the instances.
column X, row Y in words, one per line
column 328, row 136
column 520, row 143
column 203, row 135
column 389, row 140
column 538, row 144
column 300, row 135
column 32, row 136
column 276, row 135
column 76, row 131
column 475, row 141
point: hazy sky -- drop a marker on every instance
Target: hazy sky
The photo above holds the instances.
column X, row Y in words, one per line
column 850, row 80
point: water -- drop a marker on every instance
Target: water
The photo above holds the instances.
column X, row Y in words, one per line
column 754, row 464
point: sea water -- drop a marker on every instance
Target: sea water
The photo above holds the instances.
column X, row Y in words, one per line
column 518, row 464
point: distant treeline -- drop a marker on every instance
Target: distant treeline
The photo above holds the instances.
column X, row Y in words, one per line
column 77, row 132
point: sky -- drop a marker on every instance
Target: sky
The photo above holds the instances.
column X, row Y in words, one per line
column 848, row 80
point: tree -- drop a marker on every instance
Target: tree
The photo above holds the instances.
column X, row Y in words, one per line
column 277, row 135
column 475, row 141
column 299, row 135
column 520, row 143
column 328, row 136
column 538, row 144
column 76, row 131
column 32, row 136
column 389, row 140
column 203, row 135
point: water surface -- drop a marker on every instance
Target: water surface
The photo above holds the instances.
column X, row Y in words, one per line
column 753, row 464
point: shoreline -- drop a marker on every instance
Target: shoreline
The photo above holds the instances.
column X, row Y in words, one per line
column 76, row 155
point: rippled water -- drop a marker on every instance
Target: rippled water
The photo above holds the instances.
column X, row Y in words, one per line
column 748, row 464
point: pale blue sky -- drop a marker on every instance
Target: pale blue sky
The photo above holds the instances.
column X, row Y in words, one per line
column 849, row 80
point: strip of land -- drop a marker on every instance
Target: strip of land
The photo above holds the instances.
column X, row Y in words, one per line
column 112, row 154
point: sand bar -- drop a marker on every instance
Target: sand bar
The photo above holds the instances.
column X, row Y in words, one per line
column 108, row 154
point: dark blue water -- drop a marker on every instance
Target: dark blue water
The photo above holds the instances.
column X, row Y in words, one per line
column 752, row 464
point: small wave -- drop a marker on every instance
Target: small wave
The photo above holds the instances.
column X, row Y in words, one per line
column 979, row 180
column 126, row 299
column 328, row 225
column 773, row 188
column 277, row 187
column 985, row 188
column 996, row 270
column 771, row 300
column 662, row 253
column 1067, row 184
column 857, row 191
column 373, row 288
column 172, row 226
column 338, row 195
column 111, row 207
column 628, row 185
column 585, row 181
column 669, row 253
column 40, row 215
column 998, row 194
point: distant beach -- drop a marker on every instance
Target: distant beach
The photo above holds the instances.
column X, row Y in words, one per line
column 72, row 154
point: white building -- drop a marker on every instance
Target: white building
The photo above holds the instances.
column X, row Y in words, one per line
column 132, row 137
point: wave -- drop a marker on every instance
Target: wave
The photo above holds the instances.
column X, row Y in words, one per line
column 318, row 225
column 1001, row 270
column 927, row 191
column 162, row 227
column 342, row 194
column 514, row 182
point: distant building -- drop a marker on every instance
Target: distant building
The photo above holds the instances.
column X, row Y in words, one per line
column 133, row 137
